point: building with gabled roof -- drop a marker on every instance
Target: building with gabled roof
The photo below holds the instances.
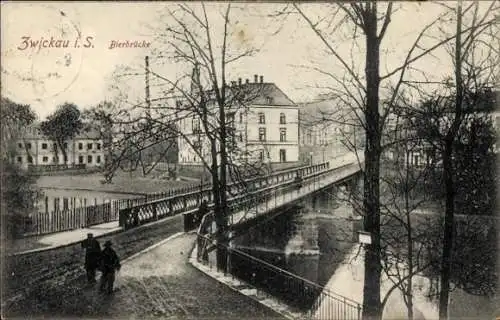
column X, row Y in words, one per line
column 261, row 121
column 36, row 149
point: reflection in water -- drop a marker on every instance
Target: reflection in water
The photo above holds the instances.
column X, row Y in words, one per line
column 307, row 244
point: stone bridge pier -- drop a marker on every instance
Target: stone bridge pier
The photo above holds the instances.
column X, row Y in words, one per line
column 343, row 199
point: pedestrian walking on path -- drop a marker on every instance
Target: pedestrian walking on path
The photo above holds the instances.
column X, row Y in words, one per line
column 202, row 210
column 92, row 256
column 110, row 263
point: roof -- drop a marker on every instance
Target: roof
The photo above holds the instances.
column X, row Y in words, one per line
column 322, row 110
column 263, row 91
column 34, row 132
column 255, row 93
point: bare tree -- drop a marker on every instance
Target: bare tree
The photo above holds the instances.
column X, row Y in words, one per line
column 362, row 92
column 197, row 105
column 465, row 61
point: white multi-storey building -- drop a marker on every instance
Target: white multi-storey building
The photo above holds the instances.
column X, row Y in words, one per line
column 38, row 150
column 262, row 129
column 328, row 130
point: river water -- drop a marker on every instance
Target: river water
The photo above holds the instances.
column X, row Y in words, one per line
column 308, row 244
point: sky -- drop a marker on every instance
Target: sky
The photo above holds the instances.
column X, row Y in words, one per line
column 47, row 77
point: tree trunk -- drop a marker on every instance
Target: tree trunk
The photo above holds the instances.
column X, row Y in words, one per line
column 108, row 150
column 447, row 232
column 64, row 153
column 222, row 223
column 409, row 234
column 448, row 235
column 371, row 290
column 218, row 209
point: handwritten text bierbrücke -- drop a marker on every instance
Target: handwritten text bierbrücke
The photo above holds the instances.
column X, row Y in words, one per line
column 129, row 44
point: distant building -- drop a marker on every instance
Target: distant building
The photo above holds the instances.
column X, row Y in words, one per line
column 421, row 153
column 38, row 150
column 262, row 126
column 328, row 130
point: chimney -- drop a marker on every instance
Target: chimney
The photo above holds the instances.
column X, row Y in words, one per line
column 247, row 81
column 255, row 78
column 239, row 81
column 261, row 79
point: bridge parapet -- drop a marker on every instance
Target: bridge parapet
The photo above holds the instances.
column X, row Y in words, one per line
column 239, row 194
column 251, row 204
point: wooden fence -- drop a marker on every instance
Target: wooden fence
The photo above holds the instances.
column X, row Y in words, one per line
column 81, row 217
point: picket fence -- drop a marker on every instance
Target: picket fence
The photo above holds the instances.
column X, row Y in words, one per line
column 40, row 223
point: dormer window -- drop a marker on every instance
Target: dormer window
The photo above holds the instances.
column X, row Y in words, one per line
column 269, row 100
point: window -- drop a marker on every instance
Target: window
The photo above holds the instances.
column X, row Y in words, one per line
column 262, row 134
column 196, row 125
column 282, row 134
column 89, row 146
column 89, row 159
column 65, row 146
column 30, row 159
column 54, row 159
column 197, row 146
column 20, row 145
column 56, row 204
column 44, row 146
column 241, row 117
column 98, row 159
column 282, row 155
column 80, row 146
column 20, row 159
column 65, row 159
column 262, row 118
column 45, row 159
column 230, row 119
column 28, row 145
column 261, row 155
column 54, row 146
column 178, row 104
column 80, row 159
column 282, row 118
column 241, row 137
column 98, row 146
column 269, row 100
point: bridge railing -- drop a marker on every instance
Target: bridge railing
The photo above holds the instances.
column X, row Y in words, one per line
column 183, row 203
column 311, row 300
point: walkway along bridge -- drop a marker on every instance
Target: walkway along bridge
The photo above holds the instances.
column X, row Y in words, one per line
column 256, row 198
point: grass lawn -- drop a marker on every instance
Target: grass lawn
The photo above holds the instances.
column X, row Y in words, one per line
column 124, row 182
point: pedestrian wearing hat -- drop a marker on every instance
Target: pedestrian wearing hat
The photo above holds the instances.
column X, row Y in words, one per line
column 110, row 263
column 92, row 256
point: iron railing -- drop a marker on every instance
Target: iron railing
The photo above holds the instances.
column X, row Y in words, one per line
column 309, row 299
column 185, row 203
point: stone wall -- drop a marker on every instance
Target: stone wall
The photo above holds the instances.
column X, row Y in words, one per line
column 37, row 273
